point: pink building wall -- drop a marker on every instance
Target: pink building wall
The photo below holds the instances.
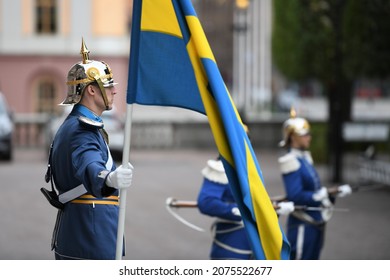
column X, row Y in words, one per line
column 18, row 75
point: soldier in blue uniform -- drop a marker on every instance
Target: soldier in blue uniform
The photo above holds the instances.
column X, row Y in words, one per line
column 305, row 229
column 216, row 199
column 83, row 171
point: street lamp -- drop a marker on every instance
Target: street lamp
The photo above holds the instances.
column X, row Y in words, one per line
column 242, row 4
column 252, row 56
column 240, row 26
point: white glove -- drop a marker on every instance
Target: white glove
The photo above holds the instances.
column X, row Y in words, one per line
column 344, row 190
column 121, row 177
column 236, row 212
column 321, row 194
column 327, row 212
column 285, row 208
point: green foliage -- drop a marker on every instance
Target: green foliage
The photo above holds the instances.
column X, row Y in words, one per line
column 285, row 44
column 308, row 33
column 318, row 146
column 367, row 44
column 302, row 38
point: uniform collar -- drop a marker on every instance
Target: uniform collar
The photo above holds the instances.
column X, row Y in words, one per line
column 297, row 152
column 81, row 109
column 302, row 154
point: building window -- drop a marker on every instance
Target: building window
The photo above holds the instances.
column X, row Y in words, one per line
column 46, row 16
column 46, row 97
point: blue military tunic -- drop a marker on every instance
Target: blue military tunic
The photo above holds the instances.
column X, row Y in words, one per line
column 86, row 230
column 216, row 199
column 305, row 229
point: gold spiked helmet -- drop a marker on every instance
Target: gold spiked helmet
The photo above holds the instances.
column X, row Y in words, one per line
column 84, row 73
column 294, row 125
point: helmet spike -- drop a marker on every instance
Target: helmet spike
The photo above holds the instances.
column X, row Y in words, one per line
column 293, row 113
column 84, row 51
column 85, row 72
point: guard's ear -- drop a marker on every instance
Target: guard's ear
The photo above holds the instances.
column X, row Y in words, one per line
column 91, row 89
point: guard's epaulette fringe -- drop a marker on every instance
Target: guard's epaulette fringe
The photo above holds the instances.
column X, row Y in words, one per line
column 288, row 163
column 90, row 123
column 215, row 172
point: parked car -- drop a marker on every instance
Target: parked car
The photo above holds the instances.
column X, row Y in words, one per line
column 6, row 130
column 113, row 124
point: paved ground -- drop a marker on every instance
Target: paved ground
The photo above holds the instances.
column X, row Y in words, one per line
column 26, row 218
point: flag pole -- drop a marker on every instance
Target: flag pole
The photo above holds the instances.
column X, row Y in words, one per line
column 123, row 192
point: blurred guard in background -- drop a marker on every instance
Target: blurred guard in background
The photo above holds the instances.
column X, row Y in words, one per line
column 82, row 167
column 305, row 229
column 215, row 199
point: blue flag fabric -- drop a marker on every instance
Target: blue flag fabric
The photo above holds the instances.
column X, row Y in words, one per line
column 171, row 64
column 159, row 58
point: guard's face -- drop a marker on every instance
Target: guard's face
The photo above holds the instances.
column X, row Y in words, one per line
column 94, row 99
column 301, row 142
column 110, row 92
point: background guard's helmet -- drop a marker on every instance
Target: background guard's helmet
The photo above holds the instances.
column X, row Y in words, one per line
column 84, row 73
column 294, row 125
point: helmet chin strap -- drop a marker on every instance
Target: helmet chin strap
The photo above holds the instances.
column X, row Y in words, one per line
column 103, row 91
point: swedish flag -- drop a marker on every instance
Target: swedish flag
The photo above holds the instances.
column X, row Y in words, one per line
column 171, row 64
